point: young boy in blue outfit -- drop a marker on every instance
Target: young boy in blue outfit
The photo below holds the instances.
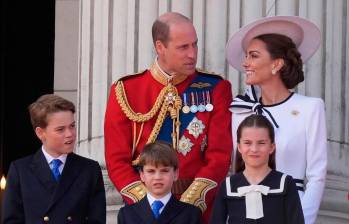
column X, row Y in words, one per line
column 54, row 185
column 158, row 166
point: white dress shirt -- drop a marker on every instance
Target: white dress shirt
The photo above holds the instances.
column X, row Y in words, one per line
column 164, row 200
column 49, row 159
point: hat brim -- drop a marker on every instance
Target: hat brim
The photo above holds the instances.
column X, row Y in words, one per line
column 305, row 34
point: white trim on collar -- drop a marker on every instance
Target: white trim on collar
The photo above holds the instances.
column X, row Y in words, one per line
column 271, row 191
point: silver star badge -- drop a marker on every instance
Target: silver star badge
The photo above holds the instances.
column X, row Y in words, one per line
column 195, row 127
column 184, row 145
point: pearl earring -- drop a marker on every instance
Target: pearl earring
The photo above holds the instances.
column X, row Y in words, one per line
column 273, row 72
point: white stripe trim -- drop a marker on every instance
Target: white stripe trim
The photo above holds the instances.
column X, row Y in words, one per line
column 238, row 103
column 229, row 193
column 299, row 185
column 273, row 191
column 282, row 185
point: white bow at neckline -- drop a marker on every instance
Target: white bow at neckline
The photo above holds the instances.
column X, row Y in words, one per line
column 253, row 199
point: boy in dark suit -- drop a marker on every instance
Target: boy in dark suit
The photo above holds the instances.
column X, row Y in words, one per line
column 54, row 185
column 158, row 166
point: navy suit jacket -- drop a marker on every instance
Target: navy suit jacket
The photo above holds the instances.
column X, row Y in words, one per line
column 33, row 196
column 175, row 212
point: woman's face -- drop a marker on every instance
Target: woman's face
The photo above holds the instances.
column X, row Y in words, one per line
column 255, row 147
column 258, row 64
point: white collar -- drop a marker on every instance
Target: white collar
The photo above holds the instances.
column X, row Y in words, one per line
column 49, row 158
column 253, row 196
column 164, row 199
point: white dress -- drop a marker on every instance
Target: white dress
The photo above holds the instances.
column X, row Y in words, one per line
column 300, row 137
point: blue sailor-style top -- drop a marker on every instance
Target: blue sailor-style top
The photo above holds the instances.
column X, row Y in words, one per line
column 273, row 201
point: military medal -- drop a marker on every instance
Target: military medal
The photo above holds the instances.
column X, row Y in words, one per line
column 209, row 106
column 193, row 107
column 201, row 107
column 186, row 108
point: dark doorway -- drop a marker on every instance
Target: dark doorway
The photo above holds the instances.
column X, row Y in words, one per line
column 27, row 66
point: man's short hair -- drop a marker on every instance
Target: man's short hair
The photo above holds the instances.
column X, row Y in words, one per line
column 161, row 26
column 45, row 105
column 158, row 153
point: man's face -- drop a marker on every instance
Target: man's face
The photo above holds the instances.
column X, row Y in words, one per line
column 179, row 56
column 60, row 133
column 158, row 179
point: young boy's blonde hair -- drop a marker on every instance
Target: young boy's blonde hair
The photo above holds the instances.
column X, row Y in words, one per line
column 158, row 153
column 45, row 105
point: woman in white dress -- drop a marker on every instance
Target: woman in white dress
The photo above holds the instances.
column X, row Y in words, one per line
column 271, row 52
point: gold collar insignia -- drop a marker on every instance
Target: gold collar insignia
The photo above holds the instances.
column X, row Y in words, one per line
column 164, row 79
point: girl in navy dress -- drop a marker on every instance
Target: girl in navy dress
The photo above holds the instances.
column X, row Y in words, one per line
column 257, row 193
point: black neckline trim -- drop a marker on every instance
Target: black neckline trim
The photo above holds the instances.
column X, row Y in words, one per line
column 276, row 104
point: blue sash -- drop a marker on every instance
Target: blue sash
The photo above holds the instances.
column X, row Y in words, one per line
column 185, row 119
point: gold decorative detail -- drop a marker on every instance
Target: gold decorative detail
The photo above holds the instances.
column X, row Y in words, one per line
column 196, row 192
column 126, row 108
column 168, row 101
column 200, row 85
column 135, row 138
column 135, row 191
column 295, row 112
column 164, row 78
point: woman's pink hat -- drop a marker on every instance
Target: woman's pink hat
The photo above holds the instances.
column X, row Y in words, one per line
column 305, row 34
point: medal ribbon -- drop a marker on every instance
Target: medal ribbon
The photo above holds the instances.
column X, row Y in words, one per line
column 185, row 119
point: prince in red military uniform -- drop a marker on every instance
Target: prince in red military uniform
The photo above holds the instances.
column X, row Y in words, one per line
column 174, row 102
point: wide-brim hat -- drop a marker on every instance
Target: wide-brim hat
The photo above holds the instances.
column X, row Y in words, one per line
column 305, row 34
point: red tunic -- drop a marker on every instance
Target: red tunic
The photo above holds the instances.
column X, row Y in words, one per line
column 142, row 90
